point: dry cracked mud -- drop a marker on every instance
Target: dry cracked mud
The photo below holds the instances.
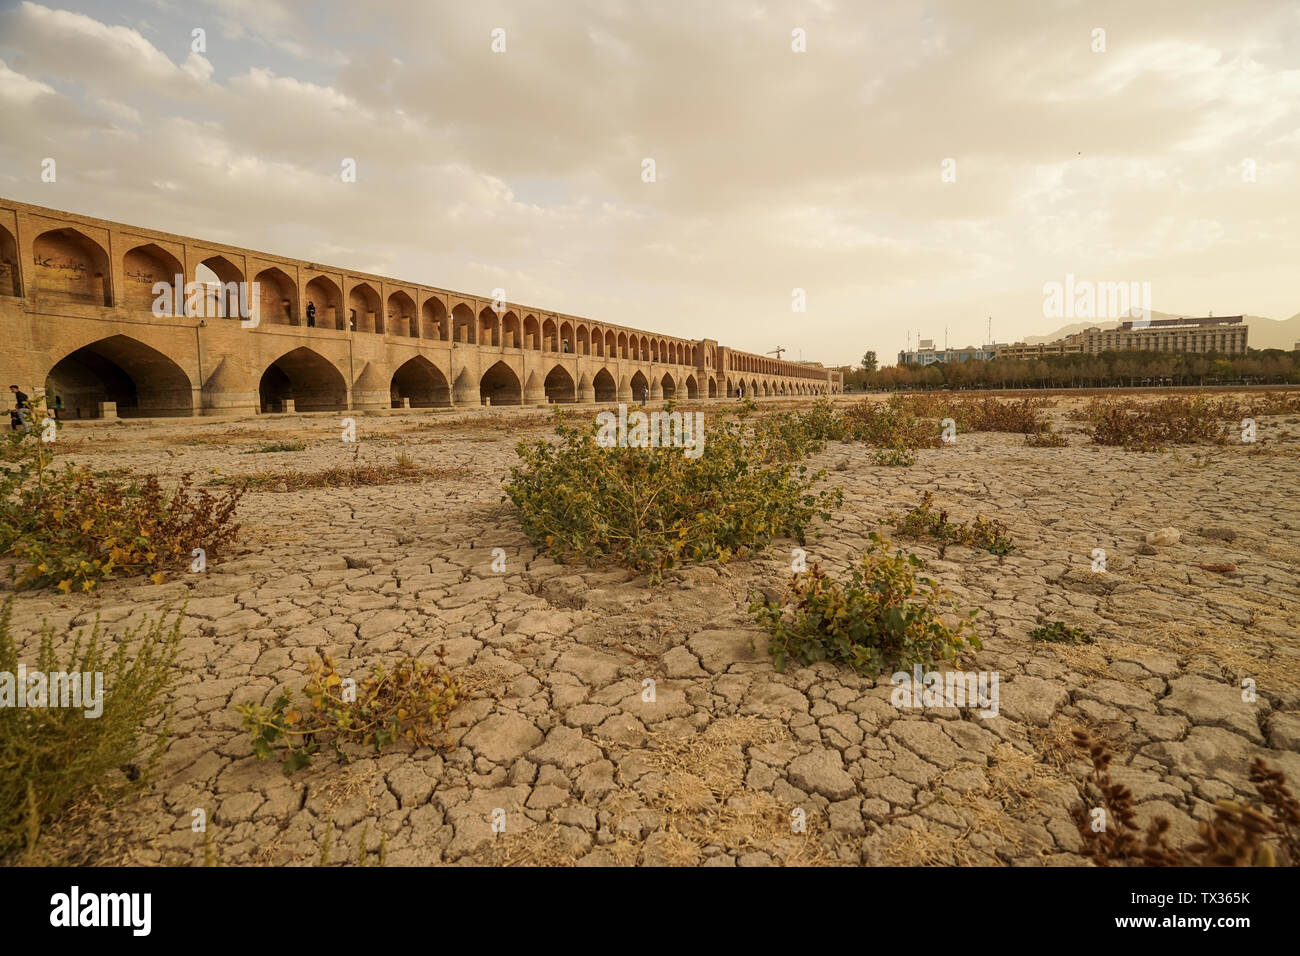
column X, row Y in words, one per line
column 555, row 730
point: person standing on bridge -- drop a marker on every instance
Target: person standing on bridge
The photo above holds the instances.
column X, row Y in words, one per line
column 311, row 314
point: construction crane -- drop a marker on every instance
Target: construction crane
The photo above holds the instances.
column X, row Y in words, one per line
column 776, row 351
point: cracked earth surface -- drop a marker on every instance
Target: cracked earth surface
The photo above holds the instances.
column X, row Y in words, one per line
column 555, row 731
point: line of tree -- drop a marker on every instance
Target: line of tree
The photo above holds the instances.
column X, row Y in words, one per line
column 1100, row 370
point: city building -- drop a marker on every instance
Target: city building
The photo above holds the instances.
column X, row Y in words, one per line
column 927, row 354
column 1221, row 334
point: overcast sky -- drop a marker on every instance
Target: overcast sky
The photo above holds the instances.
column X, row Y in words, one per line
column 774, row 169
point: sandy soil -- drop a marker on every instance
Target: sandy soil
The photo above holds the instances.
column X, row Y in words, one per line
column 556, row 732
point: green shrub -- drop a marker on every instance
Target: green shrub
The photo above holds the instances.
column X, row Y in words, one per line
column 1047, row 438
column 894, row 457
column 884, row 618
column 991, row 415
column 650, row 509
column 409, row 703
column 924, row 522
column 51, row 756
column 1058, row 632
column 1149, row 426
column 984, row 414
column 71, row 528
column 889, row 426
column 790, row 436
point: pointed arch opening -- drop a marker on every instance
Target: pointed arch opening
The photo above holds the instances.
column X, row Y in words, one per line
column 668, row 386
column 500, row 386
column 306, row 378
column 532, row 333
column 420, row 381
column 462, row 324
column 364, row 309
column 72, row 267
column 141, row 381
column 692, row 387
column 605, row 387
column 559, row 386
column 223, row 283
column 277, row 298
column 145, row 265
column 401, row 316
column 489, row 328
column 11, row 282
column 510, row 331
column 433, row 321
column 640, row 387
column 324, row 309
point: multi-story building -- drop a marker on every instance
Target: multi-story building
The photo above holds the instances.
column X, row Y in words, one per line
column 1022, row 351
column 1222, row 334
column 927, row 354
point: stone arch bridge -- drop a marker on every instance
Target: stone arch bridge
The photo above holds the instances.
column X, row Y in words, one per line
column 80, row 320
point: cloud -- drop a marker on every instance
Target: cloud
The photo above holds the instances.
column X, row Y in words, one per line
column 775, row 169
column 107, row 60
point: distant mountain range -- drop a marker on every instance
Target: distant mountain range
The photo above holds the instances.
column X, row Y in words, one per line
column 1264, row 333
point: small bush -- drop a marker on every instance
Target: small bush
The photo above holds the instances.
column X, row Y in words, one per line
column 1058, row 632
column 1270, row 403
column 1150, row 426
column 985, row 414
column 51, row 756
column 924, row 522
column 889, row 427
column 884, row 618
column 71, row 528
column 1047, row 439
column 990, row 415
column 894, row 457
column 651, row 509
column 790, row 436
column 410, row 703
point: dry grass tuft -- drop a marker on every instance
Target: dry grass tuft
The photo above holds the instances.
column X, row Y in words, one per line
column 483, row 679
column 354, row 476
